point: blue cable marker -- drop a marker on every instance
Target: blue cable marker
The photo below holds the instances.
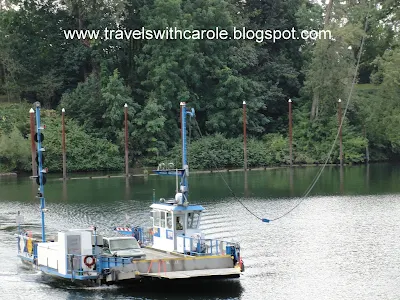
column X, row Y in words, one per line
column 265, row 220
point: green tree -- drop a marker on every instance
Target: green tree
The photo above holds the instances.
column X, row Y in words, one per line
column 278, row 64
column 100, row 109
column 14, row 151
column 84, row 152
column 34, row 50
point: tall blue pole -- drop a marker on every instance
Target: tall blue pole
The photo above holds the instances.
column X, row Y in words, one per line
column 184, row 159
column 184, row 182
column 40, row 169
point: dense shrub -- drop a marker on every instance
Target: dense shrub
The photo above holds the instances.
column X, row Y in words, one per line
column 213, row 152
column 84, row 152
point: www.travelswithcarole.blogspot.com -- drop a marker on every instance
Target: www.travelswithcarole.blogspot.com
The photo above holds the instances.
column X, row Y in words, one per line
column 174, row 33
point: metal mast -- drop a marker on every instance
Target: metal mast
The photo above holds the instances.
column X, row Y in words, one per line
column 185, row 167
column 41, row 178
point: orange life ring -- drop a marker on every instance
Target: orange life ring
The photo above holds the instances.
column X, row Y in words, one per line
column 89, row 264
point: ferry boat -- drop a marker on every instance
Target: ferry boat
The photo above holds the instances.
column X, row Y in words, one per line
column 173, row 248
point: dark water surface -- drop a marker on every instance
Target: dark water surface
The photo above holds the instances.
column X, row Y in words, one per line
column 341, row 243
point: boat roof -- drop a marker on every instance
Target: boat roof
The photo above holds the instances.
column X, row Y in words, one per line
column 176, row 208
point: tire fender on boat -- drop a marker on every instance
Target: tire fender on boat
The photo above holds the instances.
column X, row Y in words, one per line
column 91, row 262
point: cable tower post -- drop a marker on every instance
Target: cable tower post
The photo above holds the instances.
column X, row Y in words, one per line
column 290, row 134
column 184, row 180
column 41, row 177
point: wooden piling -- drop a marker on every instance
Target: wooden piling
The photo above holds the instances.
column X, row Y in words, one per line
column 126, row 141
column 64, row 153
column 340, row 130
column 244, row 136
column 33, row 145
column 290, row 134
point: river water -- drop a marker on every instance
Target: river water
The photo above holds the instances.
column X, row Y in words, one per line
column 339, row 243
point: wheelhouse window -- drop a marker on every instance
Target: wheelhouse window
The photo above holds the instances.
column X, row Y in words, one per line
column 162, row 219
column 156, row 218
column 169, row 220
column 193, row 220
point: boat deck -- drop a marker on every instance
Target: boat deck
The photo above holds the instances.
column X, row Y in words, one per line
column 153, row 254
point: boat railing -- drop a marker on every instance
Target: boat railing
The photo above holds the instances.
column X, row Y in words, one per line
column 146, row 236
column 107, row 262
column 75, row 264
column 198, row 246
column 143, row 235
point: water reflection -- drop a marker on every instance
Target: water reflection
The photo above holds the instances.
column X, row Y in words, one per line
column 367, row 177
column 182, row 290
column 291, row 172
column 362, row 179
column 246, row 186
column 127, row 189
column 34, row 190
column 341, row 180
column 199, row 289
column 64, row 191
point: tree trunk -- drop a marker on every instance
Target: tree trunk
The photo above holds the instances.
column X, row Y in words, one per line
column 2, row 74
column 314, row 106
column 328, row 13
column 315, row 103
column 79, row 12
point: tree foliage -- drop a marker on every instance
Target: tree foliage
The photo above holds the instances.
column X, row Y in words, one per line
column 94, row 78
column 14, row 151
column 84, row 152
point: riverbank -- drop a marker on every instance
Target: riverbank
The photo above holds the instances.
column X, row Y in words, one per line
column 148, row 171
column 143, row 172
